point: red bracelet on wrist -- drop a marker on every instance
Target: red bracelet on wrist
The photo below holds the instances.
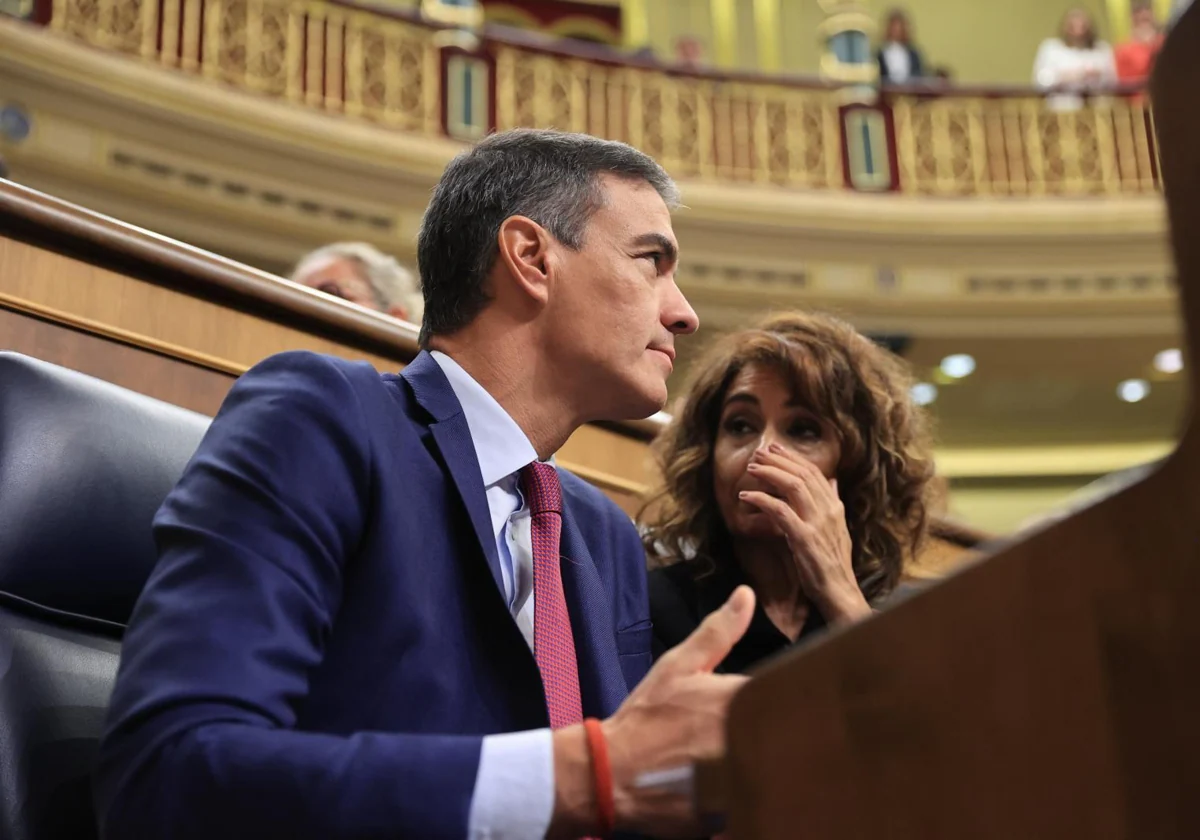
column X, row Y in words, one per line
column 606, row 807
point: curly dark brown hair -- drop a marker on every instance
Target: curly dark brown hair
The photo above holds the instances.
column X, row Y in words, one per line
column 862, row 390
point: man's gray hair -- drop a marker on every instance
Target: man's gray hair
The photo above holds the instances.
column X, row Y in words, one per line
column 391, row 283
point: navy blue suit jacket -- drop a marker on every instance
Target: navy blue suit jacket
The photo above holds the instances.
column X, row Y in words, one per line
column 324, row 641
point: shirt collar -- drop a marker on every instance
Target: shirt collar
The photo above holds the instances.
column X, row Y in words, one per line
column 500, row 446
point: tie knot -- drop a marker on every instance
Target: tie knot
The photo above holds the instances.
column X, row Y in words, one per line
column 539, row 483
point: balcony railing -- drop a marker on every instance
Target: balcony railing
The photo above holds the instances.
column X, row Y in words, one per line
column 411, row 75
column 1022, row 142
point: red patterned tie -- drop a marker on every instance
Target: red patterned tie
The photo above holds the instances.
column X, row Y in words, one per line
column 553, row 641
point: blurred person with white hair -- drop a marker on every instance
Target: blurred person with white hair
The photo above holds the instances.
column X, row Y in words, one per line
column 362, row 274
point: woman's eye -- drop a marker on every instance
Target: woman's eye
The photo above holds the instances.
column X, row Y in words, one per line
column 806, row 431
column 738, row 426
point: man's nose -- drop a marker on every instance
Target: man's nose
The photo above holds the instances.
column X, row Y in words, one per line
column 677, row 314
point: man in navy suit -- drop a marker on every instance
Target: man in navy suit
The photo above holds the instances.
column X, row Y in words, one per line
column 378, row 610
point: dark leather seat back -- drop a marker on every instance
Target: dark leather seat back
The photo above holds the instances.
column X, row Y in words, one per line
column 84, row 465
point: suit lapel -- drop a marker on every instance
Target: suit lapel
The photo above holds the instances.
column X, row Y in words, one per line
column 453, row 438
column 601, row 680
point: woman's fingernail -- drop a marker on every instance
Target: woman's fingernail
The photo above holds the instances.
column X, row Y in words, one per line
column 753, row 466
column 775, row 447
column 743, row 494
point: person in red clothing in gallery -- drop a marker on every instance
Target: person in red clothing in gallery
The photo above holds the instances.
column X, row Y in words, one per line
column 1135, row 57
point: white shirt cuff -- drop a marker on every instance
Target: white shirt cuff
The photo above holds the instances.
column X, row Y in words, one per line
column 514, row 790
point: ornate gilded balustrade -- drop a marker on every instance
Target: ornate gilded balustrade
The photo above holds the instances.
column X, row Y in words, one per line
column 415, row 76
column 333, row 58
column 720, row 128
column 1019, row 143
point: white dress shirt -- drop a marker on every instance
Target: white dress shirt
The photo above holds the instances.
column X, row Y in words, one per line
column 899, row 62
column 514, row 790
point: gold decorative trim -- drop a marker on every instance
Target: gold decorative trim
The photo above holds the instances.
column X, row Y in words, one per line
column 574, row 26
column 1048, row 461
column 468, row 16
column 246, row 192
column 132, row 339
column 76, row 74
column 850, row 21
column 952, row 463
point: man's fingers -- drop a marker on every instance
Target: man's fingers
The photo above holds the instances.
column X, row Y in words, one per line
column 716, row 635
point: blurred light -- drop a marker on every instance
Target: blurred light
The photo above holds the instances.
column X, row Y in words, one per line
column 1169, row 361
column 1133, row 390
column 958, row 365
column 923, row 393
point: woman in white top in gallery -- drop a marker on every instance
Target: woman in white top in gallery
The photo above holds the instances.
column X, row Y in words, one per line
column 899, row 59
column 1075, row 61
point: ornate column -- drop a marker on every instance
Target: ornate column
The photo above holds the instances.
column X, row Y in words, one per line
column 1118, row 19
column 724, row 32
column 767, row 34
column 467, row 72
column 467, row 14
column 635, row 25
column 846, row 35
column 864, row 120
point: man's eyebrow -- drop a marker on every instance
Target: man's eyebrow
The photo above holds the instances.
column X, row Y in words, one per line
column 658, row 240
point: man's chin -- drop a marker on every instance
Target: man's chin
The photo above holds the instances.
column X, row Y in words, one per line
column 636, row 404
column 653, row 402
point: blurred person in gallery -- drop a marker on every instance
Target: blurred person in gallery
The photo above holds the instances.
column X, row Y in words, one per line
column 797, row 463
column 362, row 274
column 1074, row 60
column 689, row 53
column 1135, row 57
column 899, row 59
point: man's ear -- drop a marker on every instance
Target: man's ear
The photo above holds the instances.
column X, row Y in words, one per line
column 524, row 247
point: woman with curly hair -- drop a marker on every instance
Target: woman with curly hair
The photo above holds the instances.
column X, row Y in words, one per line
column 797, row 463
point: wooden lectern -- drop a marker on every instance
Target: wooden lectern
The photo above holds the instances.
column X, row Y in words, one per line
column 1051, row 690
